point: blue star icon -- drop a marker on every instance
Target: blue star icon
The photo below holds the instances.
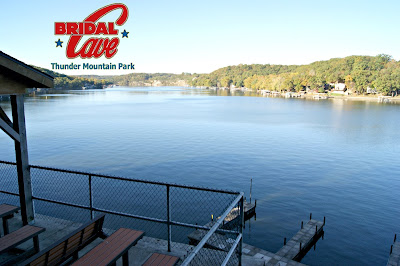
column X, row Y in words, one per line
column 59, row 43
column 125, row 34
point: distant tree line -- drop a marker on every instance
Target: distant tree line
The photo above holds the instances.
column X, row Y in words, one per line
column 147, row 79
column 72, row 83
column 357, row 72
column 62, row 81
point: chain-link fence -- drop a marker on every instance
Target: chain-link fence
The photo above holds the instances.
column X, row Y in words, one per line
column 195, row 219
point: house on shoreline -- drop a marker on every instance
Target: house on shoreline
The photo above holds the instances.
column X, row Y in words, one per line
column 339, row 88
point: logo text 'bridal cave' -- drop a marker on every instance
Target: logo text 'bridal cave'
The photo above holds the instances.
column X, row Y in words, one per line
column 94, row 47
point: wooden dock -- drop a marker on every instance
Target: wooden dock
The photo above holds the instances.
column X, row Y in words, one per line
column 303, row 241
column 230, row 221
column 384, row 99
column 256, row 256
column 232, row 218
column 294, row 250
column 291, row 253
column 394, row 258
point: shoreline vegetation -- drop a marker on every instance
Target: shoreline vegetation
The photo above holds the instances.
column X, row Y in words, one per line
column 365, row 78
column 310, row 95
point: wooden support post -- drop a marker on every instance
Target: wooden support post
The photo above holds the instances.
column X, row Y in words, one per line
column 21, row 154
column 251, row 186
column 125, row 259
column 5, row 223
column 36, row 244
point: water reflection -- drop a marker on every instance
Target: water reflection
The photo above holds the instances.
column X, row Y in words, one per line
column 334, row 157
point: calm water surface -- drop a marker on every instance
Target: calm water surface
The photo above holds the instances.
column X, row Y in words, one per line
column 334, row 158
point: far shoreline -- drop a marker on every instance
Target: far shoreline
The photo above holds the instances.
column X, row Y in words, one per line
column 259, row 93
column 309, row 95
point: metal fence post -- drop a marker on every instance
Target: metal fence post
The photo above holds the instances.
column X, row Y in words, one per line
column 90, row 197
column 169, row 219
column 241, row 229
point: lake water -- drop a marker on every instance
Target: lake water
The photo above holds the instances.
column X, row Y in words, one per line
column 334, row 158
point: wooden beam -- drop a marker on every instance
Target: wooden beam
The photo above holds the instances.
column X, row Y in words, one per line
column 7, row 126
column 25, row 75
column 4, row 116
column 10, row 85
column 21, row 154
column 9, row 130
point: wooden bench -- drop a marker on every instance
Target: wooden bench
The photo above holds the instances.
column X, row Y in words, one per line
column 157, row 259
column 112, row 248
column 7, row 212
column 23, row 234
column 70, row 245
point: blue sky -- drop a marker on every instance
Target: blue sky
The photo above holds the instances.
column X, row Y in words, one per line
column 202, row 36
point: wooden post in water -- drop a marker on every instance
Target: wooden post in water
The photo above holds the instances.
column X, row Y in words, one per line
column 251, row 186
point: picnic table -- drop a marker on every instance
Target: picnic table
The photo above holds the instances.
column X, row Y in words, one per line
column 112, row 248
column 7, row 212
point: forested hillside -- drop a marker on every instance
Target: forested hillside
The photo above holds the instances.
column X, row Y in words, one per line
column 155, row 79
column 62, row 81
column 357, row 72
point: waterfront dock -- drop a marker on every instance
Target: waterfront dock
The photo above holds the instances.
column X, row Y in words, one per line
column 233, row 216
column 56, row 228
column 292, row 251
column 394, row 258
column 384, row 99
column 255, row 256
column 230, row 221
column 303, row 241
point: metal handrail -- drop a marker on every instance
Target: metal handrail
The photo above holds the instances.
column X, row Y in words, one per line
column 127, row 179
column 212, row 230
column 169, row 222
column 235, row 244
